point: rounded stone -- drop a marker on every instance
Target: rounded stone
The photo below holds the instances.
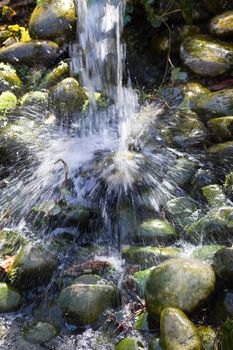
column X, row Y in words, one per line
column 222, row 25
column 207, row 57
column 178, row 332
column 181, row 283
column 156, row 230
column 10, row 298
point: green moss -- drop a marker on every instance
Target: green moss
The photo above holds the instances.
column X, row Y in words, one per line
column 35, row 97
column 214, row 195
column 222, row 128
column 129, row 344
column 10, row 299
column 8, row 102
column 58, row 73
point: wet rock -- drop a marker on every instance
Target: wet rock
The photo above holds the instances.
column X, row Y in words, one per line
column 215, row 225
column 141, row 322
column 10, row 298
column 178, row 332
column 207, row 57
column 183, row 171
column 202, row 178
column 222, row 306
column 68, row 97
column 206, row 252
column 208, row 337
column 155, row 344
column 11, row 242
column 84, row 303
column 33, row 267
column 38, row 98
column 222, row 149
column 5, row 33
column 129, row 344
column 39, row 333
column 180, row 210
column 221, row 128
column 8, row 102
column 49, row 311
column 227, row 335
column 87, row 279
column 214, row 195
column 55, row 76
column 181, row 283
column 222, row 25
column 149, row 256
column 30, row 53
column 156, row 230
column 141, row 278
column 9, row 80
column 223, row 265
column 52, row 19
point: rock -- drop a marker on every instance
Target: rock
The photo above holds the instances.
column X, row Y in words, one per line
column 214, row 195
column 9, row 80
column 180, row 210
column 129, row 344
column 223, row 265
column 206, row 57
column 178, row 332
column 30, row 53
column 222, row 306
column 156, row 230
column 4, row 34
column 221, row 150
column 206, row 252
column 181, row 283
column 49, row 311
column 208, row 338
column 141, row 322
column 53, row 19
column 87, row 279
column 55, row 76
column 215, row 225
column 10, row 298
column 38, row 98
column 141, row 278
column 39, row 333
column 202, row 178
column 183, row 171
column 149, row 256
column 11, row 242
column 227, row 335
column 68, row 97
column 33, row 267
column 222, row 25
column 8, row 102
column 221, row 128
column 84, row 303
column 155, row 344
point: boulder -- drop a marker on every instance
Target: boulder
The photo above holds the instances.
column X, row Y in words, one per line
column 223, row 265
column 178, row 332
column 222, row 25
column 38, row 98
column 207, row 57
column 181, row 283
column 53, row 19
column 214, row 195
column 39, row 333
column 84, row 303
column 155, row 230
column 180, row 210
column 10, row 298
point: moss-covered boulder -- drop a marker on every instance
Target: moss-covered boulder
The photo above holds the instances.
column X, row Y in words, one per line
column 178, row 332
column 53, row 19
column 84, row 303
column 222, row 25
column 217, row 225
column 129, row 344
column 180, row 211
column 206, row 252
column 38, row 98
column 227, row 335
column 9, row 79
column 10, row 298
column 223, row 265
column 206, row 56
column 67, row 97
column 221, row 128
column 214, row 195
column 33, row 267
column 208, row 337
column 155, row 230
column 39, row 333
column 55, row 75
column 181, row 283
column 30, row 53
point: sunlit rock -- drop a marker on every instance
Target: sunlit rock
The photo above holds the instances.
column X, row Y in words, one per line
column 10, row 298
column 38, row 98
column 155, row 230
column 214, row 195
column 222, row 25
column 205, row 56
column 55, row 75
column 178, row 332
column 53, row 19
column 181, row 283
column 180, row 210
column 9, row 80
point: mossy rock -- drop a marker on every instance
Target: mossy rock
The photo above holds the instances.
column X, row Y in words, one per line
column 5, row 33
column 68, row 97
column 10, row 298
column 9, row 79
column 33, row 98
column 227, row 335
column 216, row 225
column 221, row 128
column 39, row 333
column 149, row 256
column 155, row 344
column 207, row 57
column 182, row 171
column 222, row 149
column 156, row 230
column 222, row 25
column 55, row 76
column 84, row 303
column 181, row 283
column 180, row 210
column 8, row 102
column 53, row 19
column 141, row 278
column 141, row 322
column 214, row 195
column 33, row 267
column 206, row 252
column 87, row 279
column 11, row 242
column 178, row 332
column 208, row 337
column 223, row 265
column 129, row 344
column 30, row 53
